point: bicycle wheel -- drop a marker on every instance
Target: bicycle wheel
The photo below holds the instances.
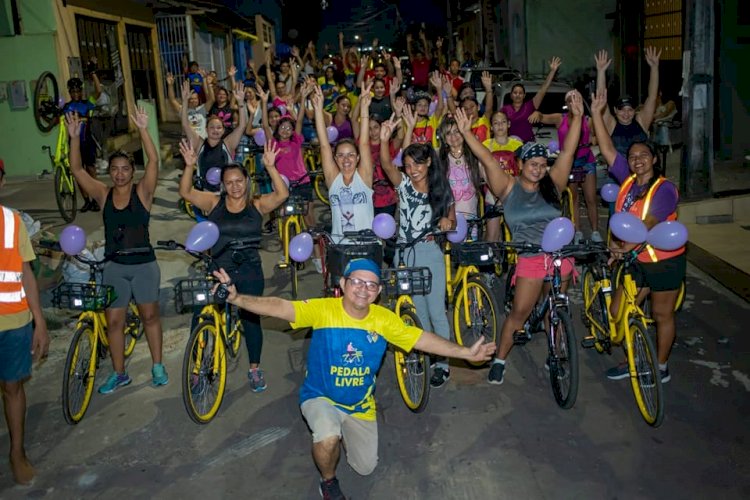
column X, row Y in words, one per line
column 563, row 361
column 204, row 373
column 596, row 306
column 482, row 320
column 412, row 369
column 510, row 290
column 293, row 265
column 321, row 190
column 133, row 328
column 79, row 374
column 647, row 382
column 65, row 193
column 234, row 337
column 46, row 102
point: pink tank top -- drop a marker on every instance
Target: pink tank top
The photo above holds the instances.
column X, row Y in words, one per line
column 584, row 143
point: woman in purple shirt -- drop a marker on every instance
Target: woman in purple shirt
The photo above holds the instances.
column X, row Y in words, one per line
column 518, row 111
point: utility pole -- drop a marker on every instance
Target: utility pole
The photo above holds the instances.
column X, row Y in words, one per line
column 696, row 167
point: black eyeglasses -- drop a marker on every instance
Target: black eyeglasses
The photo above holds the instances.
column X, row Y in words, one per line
column 371, row 286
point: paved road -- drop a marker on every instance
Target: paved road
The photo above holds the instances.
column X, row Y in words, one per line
column 473, row 441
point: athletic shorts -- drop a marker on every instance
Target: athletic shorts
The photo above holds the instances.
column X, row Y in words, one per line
column 539, row 267
column 360, row 436
column 662, row 276
column 304, row 191
column 15, row 353
column 139, row 281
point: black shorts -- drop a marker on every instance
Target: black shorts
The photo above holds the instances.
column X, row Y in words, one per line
column 304, row 191
column 661, row 276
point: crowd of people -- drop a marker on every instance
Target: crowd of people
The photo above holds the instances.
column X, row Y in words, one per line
column 412, row 140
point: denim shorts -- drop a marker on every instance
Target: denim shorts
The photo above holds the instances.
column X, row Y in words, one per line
column 15, row 353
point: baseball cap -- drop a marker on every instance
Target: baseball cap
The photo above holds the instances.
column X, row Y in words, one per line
column 624, row 101
column 362, row 265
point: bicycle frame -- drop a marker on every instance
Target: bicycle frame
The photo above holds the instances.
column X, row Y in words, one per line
column 284, row 229
column 459, row 279
column 221, row 320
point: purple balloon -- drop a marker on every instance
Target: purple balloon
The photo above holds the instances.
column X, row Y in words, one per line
column 399, row 159
column 558, row 233
column 668, row 235
column 282, row 110
column 333, row 133
column 609, row 192
column 301, row 247
column 433, row 107
column 628, row 228
column 202, row 236
column 260, row 137
column 73, row 240
column 213, row 176
column 553, row 147
column 459, row 234
column 384, row 225
column 285, row 179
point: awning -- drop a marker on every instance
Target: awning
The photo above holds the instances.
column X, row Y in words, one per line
column 244, row 34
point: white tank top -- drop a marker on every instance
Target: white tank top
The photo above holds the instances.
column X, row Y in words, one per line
column 351, row 206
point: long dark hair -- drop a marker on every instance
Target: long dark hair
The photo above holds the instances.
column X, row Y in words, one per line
column 439, row 193
column 471, row 161
column 657, row 168
column 547, row 187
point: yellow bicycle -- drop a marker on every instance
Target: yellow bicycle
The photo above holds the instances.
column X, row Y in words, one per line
column 630, row 328
column 292, row 223
column 311, row 157
column 89, row 343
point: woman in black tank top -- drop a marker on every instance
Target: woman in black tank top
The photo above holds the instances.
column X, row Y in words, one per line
column 126, row 217
column 238, row 216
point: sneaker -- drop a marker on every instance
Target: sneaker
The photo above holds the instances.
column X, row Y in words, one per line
column 496, row 376
column 257, row 381
column 665, row 376
column 94, row 206
column 330, row 490
column 578, row 237
column 159, row 375
column 114, row 381
column 618, row 372
column 318, row 263
column 596, row 237
column 439, row 376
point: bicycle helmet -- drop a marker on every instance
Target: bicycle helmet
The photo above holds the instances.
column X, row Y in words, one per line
column 75, row 84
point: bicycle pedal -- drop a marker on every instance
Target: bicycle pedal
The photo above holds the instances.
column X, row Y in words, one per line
column 521, row 337
column 588, row 342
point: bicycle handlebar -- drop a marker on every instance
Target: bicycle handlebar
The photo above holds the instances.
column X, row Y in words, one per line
column 239, row 244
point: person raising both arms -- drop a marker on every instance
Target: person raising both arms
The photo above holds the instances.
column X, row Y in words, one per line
column 519, row 110
column 530, row 202
column 126, row 214
column 349, row 337
column 238, row 216
column 647, row 194
column 627, row 126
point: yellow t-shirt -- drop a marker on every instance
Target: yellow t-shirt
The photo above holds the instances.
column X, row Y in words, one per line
column 425, row 131
column 346, row 353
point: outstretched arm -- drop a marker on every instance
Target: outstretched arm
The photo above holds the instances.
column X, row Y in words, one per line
column 330, row 170
column 205, row 200
column 192, row 135
column 646, row 115
column 489, row 96
column 365, row 158
column 271, row 201
column 233, row 139
column 147, row 185
column 263, row 306
column 606, row 147
column 95, row 188
column 602, row 63
column 433, row 344
column 170, row 93
column 554, row 63
column 264, row 111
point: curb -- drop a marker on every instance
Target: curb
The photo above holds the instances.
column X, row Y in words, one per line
column 725, row 273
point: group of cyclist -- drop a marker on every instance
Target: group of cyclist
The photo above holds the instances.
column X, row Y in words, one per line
column 424, row 154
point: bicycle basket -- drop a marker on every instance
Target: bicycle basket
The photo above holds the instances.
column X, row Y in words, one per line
column 83, row 296
column 338, row 256
column 190, row 293
column 476, row 253
column 293, row 206
column 406, row 281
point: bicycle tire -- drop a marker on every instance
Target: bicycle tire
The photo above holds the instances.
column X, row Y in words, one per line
column 321, row 190
column 293, row 265
column 202, row 385
column 597, row 307
column 510, row 289
column 412, row 369
column 133, row 328
column 647, row 387
column 563, row 362
column 79, row 373
column 483, row 314
column 65, row 193
column 46, row 82
column 234, row 337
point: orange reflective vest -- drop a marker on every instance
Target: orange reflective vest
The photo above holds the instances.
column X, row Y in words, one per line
column 12, row 294
column 640, row 208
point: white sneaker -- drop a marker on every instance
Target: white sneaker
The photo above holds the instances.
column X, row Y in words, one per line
column 596, row 237
column 318, row 265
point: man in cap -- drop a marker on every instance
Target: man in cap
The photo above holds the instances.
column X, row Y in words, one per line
column 349, row 338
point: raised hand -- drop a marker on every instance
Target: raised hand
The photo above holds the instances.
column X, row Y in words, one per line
column 386, row 129
column 188, row 153
column 341, row 36
column 170, row 79
column 396, row 63
column 231, row 71
column 487, row 81
column 554, row 63
column 73, row 124
column 270, row 152
column 261, row 93
column 365, row 97
column 462, row 121
column 652, row 56
column 317, row 98
column 410, row 117
column 295, row 51
column 602, row 60
column 239, row 91
column 395, row 83
column 576, row 103
column 139, row 117
column 186, row 91
column 398, row 105
column 439, row 42
column 435, row 80
column 447, row 82
column 598, row 101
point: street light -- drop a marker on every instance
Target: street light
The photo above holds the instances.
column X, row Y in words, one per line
column 356, row 37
